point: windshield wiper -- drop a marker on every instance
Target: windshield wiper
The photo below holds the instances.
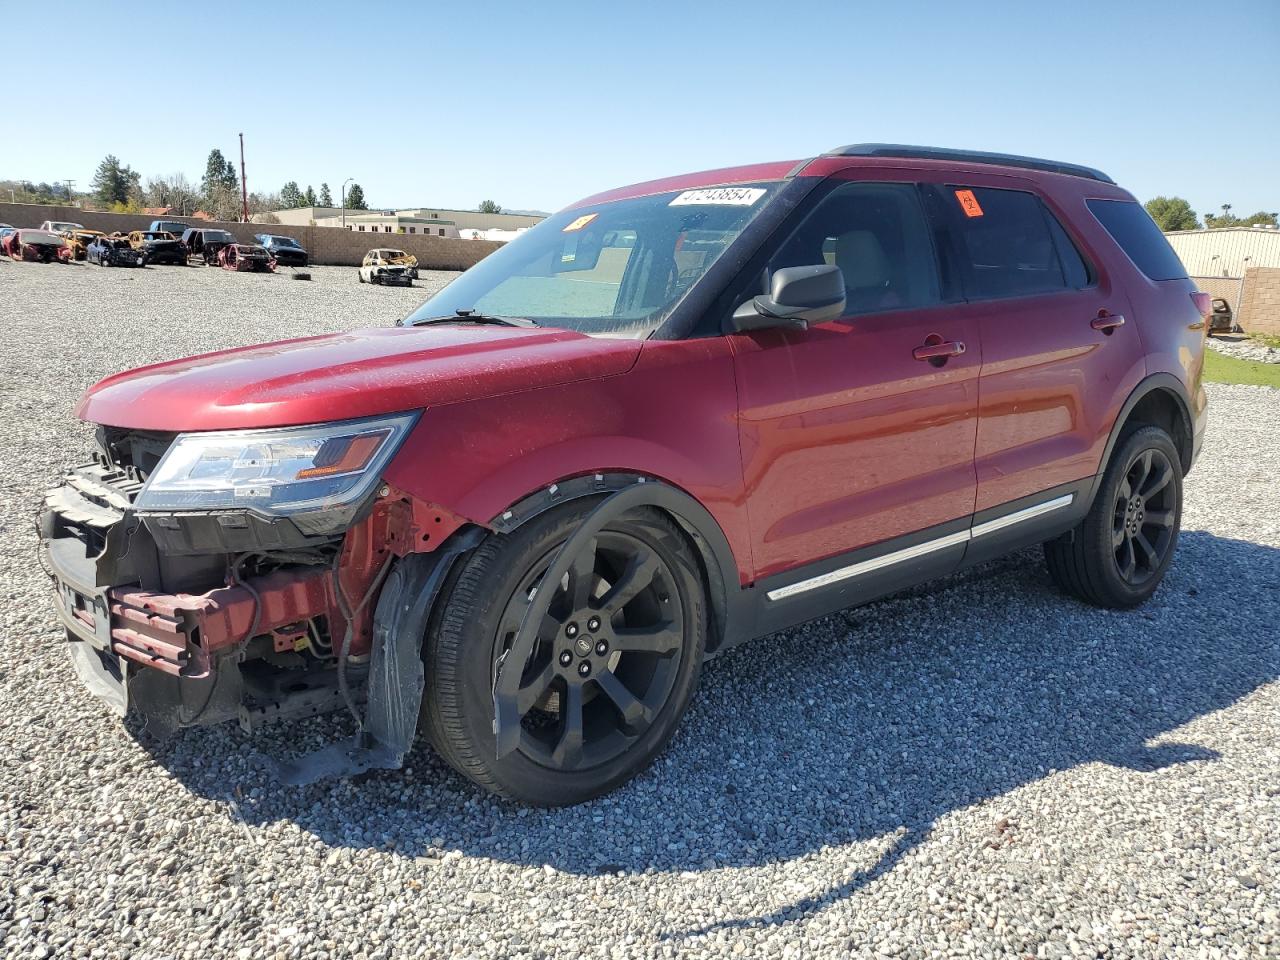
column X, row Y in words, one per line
column 470, row 316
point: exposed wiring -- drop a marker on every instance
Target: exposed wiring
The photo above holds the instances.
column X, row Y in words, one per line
column 348, row 614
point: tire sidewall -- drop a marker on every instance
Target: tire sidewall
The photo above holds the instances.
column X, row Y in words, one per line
column 470, row 697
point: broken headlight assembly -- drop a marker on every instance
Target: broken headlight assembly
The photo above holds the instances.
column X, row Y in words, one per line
column 277, row 472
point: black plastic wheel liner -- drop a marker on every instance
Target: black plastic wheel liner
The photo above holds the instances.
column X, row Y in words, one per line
column 396, row 676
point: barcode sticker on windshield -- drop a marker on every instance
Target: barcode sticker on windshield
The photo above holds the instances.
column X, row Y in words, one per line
column 719, row 196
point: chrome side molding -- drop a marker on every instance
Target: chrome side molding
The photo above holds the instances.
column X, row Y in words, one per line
column 921, row 549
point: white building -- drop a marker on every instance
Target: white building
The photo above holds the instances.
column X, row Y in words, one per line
column 392, row 222
column 462, row 219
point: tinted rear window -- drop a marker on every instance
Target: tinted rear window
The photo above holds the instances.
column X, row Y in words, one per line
column 1139, row 237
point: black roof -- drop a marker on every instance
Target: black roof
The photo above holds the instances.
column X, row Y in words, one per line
column 966, row 156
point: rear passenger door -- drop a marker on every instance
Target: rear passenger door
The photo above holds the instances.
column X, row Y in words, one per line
column 1056, row 349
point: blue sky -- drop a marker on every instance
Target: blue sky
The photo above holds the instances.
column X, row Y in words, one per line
column 536, row 104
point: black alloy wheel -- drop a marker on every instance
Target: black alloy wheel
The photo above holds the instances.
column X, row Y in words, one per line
column 604, row 677
column 607, row 656
column 1143, row 518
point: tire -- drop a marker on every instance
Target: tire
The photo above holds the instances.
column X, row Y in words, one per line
column 477, row 618
column 1118, row 554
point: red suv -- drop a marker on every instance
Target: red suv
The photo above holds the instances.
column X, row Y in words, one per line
column 668, row 419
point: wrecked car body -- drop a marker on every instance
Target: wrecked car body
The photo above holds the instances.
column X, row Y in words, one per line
column 245, row 258
column 159, row 247
column 112, row 252
column 79, row 240
column 37, row 246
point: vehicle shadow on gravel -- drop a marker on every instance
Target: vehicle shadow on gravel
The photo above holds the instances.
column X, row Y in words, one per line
column 863, row 728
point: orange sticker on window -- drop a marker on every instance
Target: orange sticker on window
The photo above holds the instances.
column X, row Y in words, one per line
column 581, row 222
column 969, row 203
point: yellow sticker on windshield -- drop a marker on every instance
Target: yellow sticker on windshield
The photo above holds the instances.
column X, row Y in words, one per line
column 581, row 222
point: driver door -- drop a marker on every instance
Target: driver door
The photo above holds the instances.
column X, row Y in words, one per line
column 856, row 445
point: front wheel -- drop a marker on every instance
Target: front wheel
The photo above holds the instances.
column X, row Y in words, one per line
column 615, row 661
column 1119, row 553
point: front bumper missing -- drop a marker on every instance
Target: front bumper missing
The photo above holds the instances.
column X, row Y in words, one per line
column 175, row 657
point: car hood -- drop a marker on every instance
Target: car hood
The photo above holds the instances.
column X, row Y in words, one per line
column 347, row 375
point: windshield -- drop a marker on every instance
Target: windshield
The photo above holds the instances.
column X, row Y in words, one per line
column 42, row 237
column 611, row 269
column 218, row 236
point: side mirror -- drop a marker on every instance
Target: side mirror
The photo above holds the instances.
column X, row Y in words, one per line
column 798, row 296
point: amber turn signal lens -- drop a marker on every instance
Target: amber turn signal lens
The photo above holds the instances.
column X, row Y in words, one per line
column 343, row 455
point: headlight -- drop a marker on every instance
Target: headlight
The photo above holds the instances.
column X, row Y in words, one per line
column 274, row 472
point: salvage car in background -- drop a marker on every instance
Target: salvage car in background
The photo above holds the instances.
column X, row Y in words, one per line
column 393, row 267
column 59, row 226
column 158, row 246
column 204, row 243
column 287, row 251
column 39, row 246
column 246, row 257
column 112, row 252
column 79, row 240
column 176, row 227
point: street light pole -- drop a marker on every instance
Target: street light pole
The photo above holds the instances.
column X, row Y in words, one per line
column 344, row 201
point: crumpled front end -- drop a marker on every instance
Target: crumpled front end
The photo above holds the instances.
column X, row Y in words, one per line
column 189, row 619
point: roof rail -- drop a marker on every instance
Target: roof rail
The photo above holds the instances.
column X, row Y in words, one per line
column 966, row 156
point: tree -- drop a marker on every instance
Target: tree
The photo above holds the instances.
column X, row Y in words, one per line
column 326, row 198
column 1261, row 219
column 112, row 183
column 488, row 206
column 310, row 197
column 355, row 198
column 291, row 196
column 174, row 191
column 1172, row 213
column 218, row 172
column 223, row 203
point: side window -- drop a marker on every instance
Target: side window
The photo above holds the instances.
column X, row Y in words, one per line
column 1074, row 269
column 1137, row 234
column 878, row 236
column 1009, row 245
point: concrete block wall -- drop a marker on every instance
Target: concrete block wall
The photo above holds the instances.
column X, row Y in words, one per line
column 1260, row 303
column 326, row 245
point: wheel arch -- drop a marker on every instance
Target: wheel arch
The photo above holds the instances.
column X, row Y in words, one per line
column 730, row 613
column 1159, row 400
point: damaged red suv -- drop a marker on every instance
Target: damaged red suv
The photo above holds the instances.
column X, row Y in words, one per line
column 666, row 420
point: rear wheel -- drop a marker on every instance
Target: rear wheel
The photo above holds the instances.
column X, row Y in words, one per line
column 1119, row 553
column 613, row 667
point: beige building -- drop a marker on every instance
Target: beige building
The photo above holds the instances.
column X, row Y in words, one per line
column 1226, row 251
column 1240, row 265
column 460, row 219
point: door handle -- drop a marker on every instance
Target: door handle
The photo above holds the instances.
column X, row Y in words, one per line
column 938, row 350
column 1107, row 322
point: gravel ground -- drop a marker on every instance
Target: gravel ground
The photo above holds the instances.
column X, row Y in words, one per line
column 981, row 769
column 1245, row 349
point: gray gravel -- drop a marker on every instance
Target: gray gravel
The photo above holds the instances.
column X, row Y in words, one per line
column 981, row 769
column 1244, row 348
